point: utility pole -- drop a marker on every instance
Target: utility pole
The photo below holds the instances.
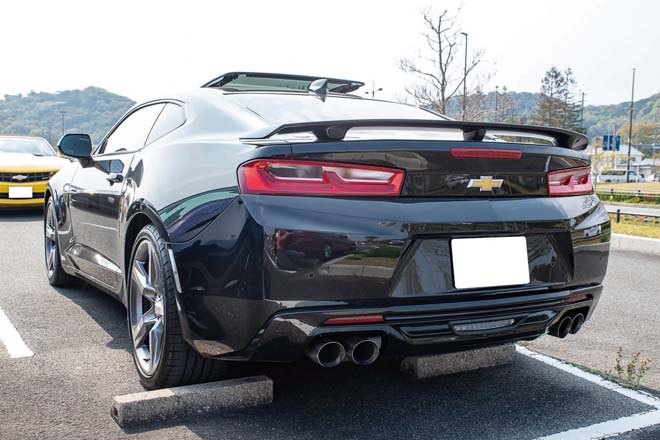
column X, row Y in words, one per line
column 632, row 99
column 373, row 90
column 465, row 75
column 49, row 125
column 582, row 113
column 62, row 112
column 497, row 88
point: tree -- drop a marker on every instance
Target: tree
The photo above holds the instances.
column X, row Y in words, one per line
column 439, row 72
column 571, row 108
column 476, row 105
column 644, row 133
column 549, row 105
column 557, row 106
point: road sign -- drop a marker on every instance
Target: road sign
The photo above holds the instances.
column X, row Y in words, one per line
column 611, row 142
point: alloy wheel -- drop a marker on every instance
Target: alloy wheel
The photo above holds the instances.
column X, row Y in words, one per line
column 147, row 308
column 51, row 243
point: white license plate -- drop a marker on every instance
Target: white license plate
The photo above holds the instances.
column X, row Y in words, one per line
column 20, row 192
column 489, row 262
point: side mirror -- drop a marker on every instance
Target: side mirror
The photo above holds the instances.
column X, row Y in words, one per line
column 76, row 145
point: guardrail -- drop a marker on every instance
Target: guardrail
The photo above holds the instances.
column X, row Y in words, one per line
column 633, row 210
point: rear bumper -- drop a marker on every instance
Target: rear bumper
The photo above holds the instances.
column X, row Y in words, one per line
column 419, row 328
column 260, row 279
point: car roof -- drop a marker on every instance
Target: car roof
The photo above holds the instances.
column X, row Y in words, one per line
column 244, row 112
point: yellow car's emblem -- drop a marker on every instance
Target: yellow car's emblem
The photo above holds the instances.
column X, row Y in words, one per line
column 486, row 183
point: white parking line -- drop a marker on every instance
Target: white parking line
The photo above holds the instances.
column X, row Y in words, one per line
column 11, row 339
column 611, row 427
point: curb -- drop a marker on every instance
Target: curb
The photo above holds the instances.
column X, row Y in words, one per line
column 423, row 367
column 622, row 242
column 169, row 403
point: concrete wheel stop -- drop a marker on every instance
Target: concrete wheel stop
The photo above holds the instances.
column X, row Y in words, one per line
column 172, row 403
column 422, row 367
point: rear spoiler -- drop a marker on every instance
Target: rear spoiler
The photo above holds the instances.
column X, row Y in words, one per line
column 472, row 131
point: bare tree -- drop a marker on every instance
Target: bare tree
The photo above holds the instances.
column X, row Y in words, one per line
column 476, row 106
column 439, row 71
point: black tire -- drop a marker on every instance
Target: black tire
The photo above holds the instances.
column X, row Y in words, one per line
column 54, row 272
column 178, row 363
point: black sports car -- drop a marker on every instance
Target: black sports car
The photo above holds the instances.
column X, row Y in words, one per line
column 269, row 217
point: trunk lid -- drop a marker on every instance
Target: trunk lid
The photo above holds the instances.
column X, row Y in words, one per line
column 433, row 169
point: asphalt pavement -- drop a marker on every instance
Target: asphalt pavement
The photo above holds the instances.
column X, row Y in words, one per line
column 627, row 317
column 81, row 360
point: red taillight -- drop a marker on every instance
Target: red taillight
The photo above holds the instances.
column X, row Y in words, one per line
column 298, row 177
column 485, row 153
column 570, row 182
column 348, row 320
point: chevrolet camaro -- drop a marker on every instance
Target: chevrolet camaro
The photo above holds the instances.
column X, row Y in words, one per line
column 270, row 217
column 26, row 164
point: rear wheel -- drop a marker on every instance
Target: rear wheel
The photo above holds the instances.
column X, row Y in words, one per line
column 56, row 275
column 162, row 357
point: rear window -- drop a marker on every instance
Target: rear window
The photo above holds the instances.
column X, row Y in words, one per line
column 278, row 109
column 246, row 82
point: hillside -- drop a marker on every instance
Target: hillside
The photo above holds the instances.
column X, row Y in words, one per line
column 600, row 118
column 92, row 110
column 522, row 104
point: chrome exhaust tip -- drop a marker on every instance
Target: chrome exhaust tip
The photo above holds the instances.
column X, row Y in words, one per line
column 563, row 328
column 578, row 320
column 364, row 351
column 327, row 354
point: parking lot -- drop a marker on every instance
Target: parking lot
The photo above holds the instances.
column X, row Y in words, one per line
column 81, row 360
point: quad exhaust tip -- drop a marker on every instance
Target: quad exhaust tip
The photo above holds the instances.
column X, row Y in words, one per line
column 564, row 327
column 360, row 350
column 568, row 324
column 578, row 320
column 327, row 354
column 364, row 351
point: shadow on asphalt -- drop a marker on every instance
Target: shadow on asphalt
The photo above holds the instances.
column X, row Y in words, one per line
column 108, row 312
column 12, row 215
column 526, row 399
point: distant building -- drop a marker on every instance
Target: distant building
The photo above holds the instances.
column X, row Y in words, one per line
column 647, row 167
column 617, row 160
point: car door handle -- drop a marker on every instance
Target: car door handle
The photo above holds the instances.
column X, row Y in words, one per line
column 115, row 178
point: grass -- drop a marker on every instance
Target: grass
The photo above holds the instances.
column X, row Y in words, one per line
column 645, row 187
column 635, row 225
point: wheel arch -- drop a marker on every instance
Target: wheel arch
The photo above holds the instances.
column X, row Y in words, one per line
column 140, row 214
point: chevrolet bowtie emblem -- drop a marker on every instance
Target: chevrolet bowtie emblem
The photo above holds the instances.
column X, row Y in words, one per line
column 486, row 183
column 19, row 177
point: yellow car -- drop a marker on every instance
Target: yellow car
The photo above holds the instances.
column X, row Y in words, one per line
column 26, row 164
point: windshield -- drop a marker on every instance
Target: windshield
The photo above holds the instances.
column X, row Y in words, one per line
column 38, row 147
